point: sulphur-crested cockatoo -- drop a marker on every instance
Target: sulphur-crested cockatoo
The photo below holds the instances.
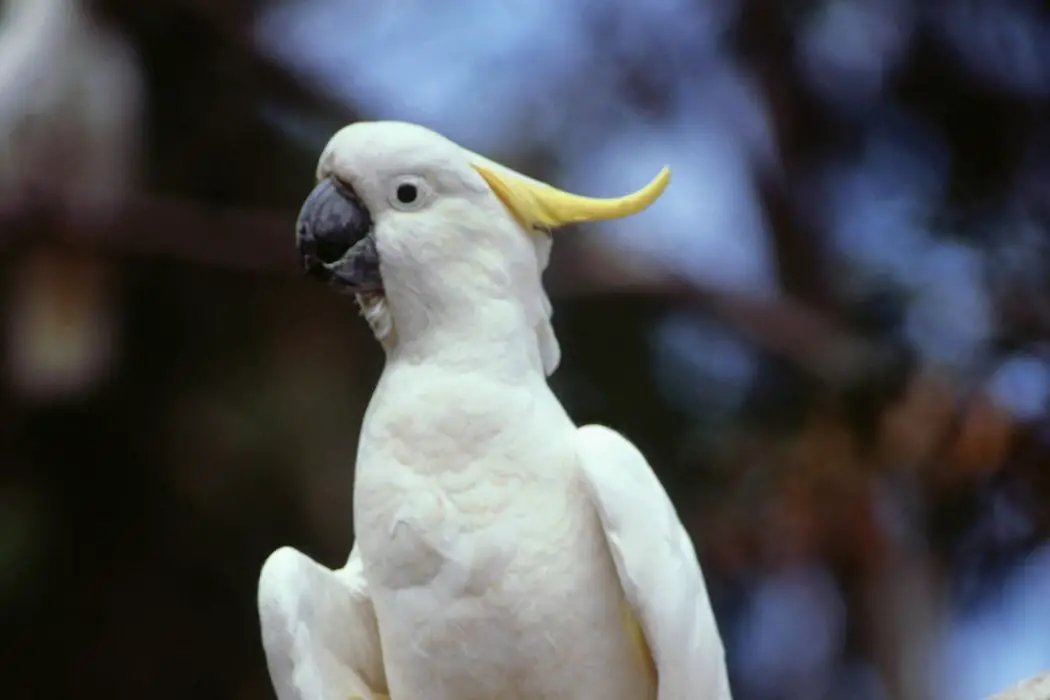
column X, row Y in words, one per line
column 502, row 552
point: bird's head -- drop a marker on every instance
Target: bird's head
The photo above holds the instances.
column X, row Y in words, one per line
column 435, row 238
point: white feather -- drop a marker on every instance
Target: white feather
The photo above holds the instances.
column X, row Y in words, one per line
column 373, row 308
column 318, row 629
column 657, row 565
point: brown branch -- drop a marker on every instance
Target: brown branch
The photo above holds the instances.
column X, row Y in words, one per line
column 956, row 425
column 583, row 266
column 168, row 227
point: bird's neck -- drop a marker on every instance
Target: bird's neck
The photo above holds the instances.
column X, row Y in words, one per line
column 463, row 332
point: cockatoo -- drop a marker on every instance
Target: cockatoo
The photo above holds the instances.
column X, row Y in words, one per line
column 502, row 552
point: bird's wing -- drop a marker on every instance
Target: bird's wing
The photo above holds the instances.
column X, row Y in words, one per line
column 319, row 629
column 657, row 566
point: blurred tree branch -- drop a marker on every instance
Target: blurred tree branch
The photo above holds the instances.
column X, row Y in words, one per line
column 583, row 266
column 167, row 227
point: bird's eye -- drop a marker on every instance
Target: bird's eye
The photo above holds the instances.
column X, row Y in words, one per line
column 407, row 194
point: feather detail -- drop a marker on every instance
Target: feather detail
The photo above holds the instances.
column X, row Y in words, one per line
column 637, row 635
column 373, row 308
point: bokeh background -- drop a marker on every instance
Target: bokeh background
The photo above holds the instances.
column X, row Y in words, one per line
column 830, row 336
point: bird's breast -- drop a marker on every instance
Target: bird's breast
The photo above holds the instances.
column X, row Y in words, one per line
column 452, row 476
column 526, row 604
column 484, row 557
column 425, row 539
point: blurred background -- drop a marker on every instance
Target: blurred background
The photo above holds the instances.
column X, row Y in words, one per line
column 830, row 336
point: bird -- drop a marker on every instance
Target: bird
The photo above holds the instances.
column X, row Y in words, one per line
column 501, row 551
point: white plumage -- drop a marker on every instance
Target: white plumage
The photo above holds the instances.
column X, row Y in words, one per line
column 501, row 551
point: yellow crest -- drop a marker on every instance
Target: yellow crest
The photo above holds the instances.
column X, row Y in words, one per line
column 537, row 205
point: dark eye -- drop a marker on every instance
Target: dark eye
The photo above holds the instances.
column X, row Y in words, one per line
column 407, row 194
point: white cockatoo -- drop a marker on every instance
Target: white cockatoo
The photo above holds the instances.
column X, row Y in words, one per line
column 502, row 552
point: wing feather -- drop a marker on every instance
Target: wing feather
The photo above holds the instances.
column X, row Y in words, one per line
column 657, row 565
column 319, row 629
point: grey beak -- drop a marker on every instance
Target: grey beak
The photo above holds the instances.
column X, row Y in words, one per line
column 335, row 239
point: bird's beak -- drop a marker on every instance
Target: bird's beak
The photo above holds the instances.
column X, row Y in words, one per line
column 336, row 240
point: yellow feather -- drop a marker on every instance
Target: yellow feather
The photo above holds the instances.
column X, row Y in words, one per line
column 538, row 206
